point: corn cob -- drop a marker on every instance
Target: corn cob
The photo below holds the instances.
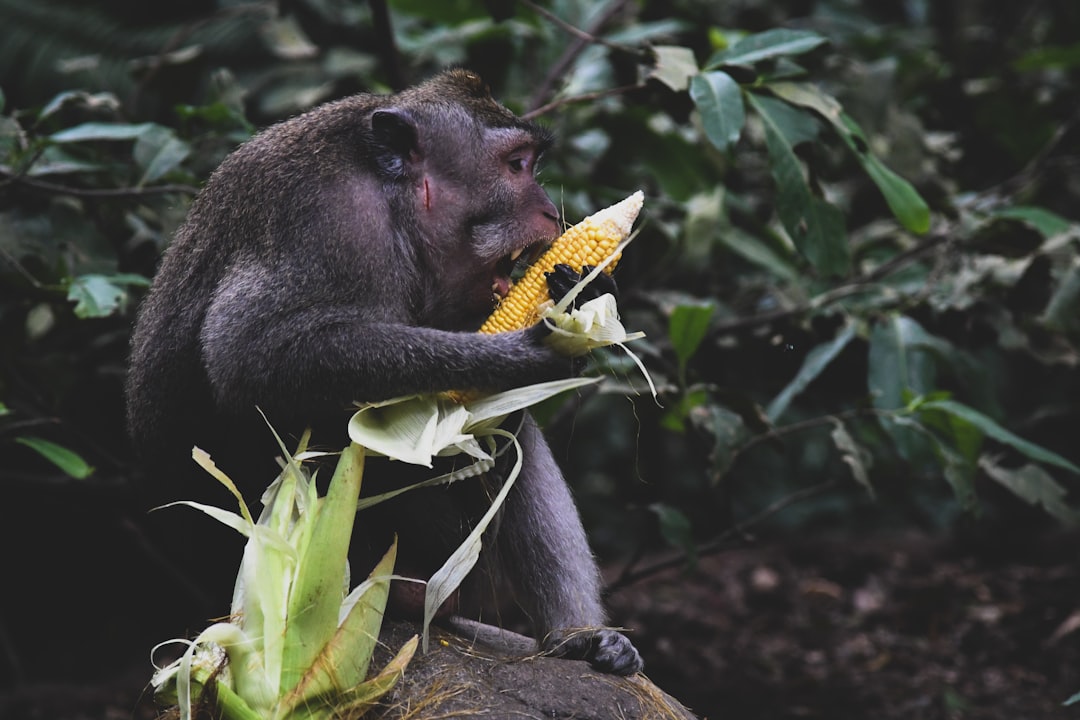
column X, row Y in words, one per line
column 589, row 242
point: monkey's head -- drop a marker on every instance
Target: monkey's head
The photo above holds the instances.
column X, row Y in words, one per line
column 468, row 167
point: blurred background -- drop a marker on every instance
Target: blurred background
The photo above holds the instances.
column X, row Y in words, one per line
column 857, row 271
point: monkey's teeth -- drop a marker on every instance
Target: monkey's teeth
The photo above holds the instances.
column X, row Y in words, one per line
column 500, row 287
column 516, row 254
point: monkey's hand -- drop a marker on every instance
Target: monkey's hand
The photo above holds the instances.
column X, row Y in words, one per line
column 559, row 365
column 606, row 650
column 563, row 278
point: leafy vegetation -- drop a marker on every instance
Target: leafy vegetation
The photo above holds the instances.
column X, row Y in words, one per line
column 858, row 270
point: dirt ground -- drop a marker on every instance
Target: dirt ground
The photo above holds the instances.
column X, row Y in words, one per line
column 898, row 627
column 904, row 627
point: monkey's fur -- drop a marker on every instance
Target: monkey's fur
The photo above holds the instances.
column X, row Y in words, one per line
column 349, row 254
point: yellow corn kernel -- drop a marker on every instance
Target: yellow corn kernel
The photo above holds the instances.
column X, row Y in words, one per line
column 589, row 242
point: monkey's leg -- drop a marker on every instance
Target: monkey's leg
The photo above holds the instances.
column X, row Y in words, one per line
column 545, row 554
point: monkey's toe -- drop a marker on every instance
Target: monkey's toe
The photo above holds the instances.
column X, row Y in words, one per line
column 607, row 651
column 614, row 653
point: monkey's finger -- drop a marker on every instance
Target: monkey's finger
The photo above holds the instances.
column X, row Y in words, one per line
column 560, row 280
column 602, row 284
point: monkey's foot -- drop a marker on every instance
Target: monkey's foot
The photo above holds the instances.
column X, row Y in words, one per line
column 606, row 650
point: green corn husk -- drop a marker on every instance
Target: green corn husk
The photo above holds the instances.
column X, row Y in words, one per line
column 297, row 644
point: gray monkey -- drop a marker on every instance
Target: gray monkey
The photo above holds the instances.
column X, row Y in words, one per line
column 349, row 254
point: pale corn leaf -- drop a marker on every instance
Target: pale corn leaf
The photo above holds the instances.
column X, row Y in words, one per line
column 404, row 429
column 344, row 659
column 201, row 659
column 231, row 519
column 447, row 578
column 202, row 457
column 316, row 592
column 417, row 428
column 360, row 697
column 492, row 409
column 594, row 324
column 477, row 468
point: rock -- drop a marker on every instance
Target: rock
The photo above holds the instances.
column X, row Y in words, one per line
column 480, row 670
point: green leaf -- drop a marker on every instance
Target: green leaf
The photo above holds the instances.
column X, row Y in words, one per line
column 101, row 131
column 687, row 327
column 959, row 472
column 751, row 248
column 902, row 197
column 728, row 430
column 815, row 226
column 719, row 100
column 854, row 455
column 1061, row 311
column 67, row 460
column 899, row 363
column 903, row 200
column 765, row 46
column 674, row 66
column 1046, row 222
column 1050, row 57
column 815, row 363
column 675, row 417
column 899, row 367
column 808, row 96
column 158, row 151
column 676, row 529
column 1034, row 485
column 97, row 296
column 995, row 431
column 95, row 102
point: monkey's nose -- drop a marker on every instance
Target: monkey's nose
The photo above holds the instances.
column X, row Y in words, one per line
column 551, row 212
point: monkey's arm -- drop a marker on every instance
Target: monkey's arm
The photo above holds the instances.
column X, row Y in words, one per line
column 257, row 350
column 551, row 567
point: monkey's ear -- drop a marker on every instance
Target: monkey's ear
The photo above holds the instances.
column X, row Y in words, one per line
column 396, row 142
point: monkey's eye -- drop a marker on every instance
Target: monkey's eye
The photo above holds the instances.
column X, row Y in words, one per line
column 519, row 163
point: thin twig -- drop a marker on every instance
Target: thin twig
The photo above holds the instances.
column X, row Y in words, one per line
column 184, row 33
column 582, row 39
column 1027, row 174
column 629, row 575
column 865, row 283
column 584, row 97
column 809, row 424
column 97, row 192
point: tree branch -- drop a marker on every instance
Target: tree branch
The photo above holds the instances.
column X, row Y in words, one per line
column 629, row 575
column 57, row 189
column 582, row 39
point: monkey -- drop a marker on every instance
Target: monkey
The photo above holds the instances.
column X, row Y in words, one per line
column 349, row 254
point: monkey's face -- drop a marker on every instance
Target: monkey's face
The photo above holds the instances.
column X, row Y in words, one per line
column 525, row 219
column 506, row 217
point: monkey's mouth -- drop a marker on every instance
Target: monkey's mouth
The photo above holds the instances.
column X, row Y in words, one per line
column 511, row 267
